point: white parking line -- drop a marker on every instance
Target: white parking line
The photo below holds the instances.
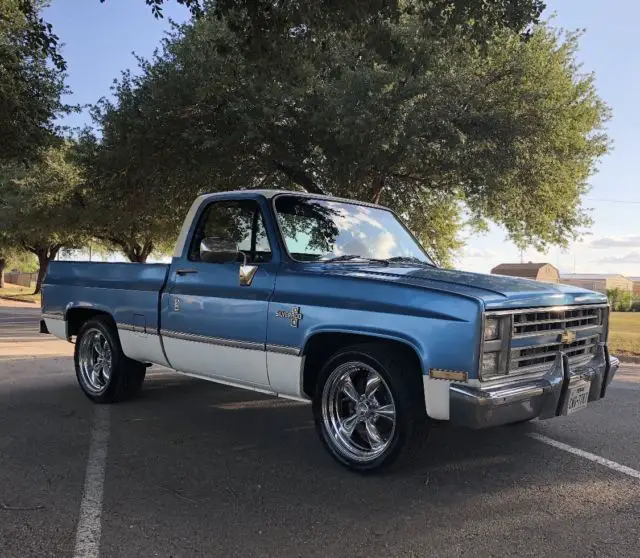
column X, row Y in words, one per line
column 590, row 456
column 89, row 521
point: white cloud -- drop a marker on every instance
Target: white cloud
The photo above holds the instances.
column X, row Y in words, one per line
column 349, row 221
column 385, row 243
column 617, row 242
column 478, row 253
column 631, row 258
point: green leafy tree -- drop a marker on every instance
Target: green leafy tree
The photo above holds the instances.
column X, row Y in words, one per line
column 194, row 6
column 14, row 257
column 8, row 252
column 442, row 115
column 267, row 14
column 40, row 206
column 23, row 261
column 31, row 83
column 129, row 210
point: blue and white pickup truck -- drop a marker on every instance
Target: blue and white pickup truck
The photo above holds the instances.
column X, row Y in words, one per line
column 333, row 301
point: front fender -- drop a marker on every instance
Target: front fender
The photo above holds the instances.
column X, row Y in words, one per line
column 373, row 332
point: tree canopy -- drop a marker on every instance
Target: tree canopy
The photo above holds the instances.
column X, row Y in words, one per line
column 31, row 83
column 40, row 205
column 444, row 111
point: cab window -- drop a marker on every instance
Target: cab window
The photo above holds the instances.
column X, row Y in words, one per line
column 229, row 225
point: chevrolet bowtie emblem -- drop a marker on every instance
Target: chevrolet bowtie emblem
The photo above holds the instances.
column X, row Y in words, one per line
column 568, row 337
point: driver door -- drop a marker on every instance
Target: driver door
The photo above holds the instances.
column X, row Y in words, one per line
column 214, row 322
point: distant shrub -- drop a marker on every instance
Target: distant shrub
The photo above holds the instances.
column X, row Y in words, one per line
column 622, row 301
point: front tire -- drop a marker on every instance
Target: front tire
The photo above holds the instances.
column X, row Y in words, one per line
column 103, row 371
column 369, row 407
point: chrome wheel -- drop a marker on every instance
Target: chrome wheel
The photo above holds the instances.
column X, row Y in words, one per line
column 95, row 360
column 358, row 411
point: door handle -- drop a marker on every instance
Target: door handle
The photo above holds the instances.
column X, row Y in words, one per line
column 186, row 271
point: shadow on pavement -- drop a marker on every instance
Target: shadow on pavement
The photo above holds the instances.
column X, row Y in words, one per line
column 207, row 466
column 195, row 468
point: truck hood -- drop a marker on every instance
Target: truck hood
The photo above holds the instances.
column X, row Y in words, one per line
column 497, row 292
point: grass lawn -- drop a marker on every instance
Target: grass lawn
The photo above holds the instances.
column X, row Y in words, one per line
column 624, row 333
column 21, row 294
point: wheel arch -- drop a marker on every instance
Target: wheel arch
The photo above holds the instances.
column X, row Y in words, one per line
column 321, row 345
column 77, row 316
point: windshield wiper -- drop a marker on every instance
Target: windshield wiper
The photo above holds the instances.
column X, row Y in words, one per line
column 410, row 260
column 352, row 257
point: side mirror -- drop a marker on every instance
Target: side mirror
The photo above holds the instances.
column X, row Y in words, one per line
column 218, row 250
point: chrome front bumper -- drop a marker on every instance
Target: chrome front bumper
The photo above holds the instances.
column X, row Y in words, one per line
column 544, row 397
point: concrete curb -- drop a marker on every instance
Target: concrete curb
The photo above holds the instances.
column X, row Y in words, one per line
column 627, row 359
column 9, row 299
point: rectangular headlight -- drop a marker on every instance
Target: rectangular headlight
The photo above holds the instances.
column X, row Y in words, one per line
column 491, row 329
column 489, row 364
column 496, row 338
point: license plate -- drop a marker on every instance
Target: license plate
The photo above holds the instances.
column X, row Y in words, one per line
column 578, row 397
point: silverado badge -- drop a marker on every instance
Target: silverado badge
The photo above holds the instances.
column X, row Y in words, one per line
column 294, row 316
column 568, row 337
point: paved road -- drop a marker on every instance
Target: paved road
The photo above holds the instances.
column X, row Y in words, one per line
column 196, row 469
column 19, row 322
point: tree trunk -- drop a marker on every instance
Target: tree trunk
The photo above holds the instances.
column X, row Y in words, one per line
column 3, row 263
column 377, row 187
column 45, row 254
column 300, row 177
column 43, row 264
column 137, row 253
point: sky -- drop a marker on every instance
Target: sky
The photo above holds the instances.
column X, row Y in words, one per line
column 99, row 41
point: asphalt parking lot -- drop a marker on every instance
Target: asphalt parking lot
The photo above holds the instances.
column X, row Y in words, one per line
column 195, row 469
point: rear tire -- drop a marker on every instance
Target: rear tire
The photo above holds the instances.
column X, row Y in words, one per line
column 103, row 371
column 369, row 407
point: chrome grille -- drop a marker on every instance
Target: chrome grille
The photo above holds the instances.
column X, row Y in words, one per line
column 531, row 339
column 542, row 321
column 533, row 357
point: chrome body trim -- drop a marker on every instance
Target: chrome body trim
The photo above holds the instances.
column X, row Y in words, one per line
column 491, row 313
column 248, row 345
column 136, row 329
column 594, row 327
column 52, row 315
column 553, row 344
column 542, row 397
column 283, row 349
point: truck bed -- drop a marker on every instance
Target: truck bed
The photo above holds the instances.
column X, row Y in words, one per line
column 129, row 292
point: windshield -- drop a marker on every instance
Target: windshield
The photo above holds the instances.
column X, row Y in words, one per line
column 318, row 229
